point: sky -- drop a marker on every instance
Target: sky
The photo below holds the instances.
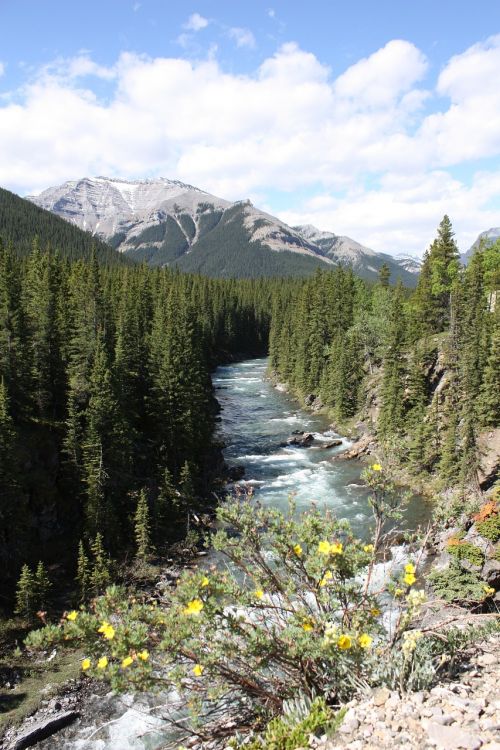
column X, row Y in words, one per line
column 367, row 119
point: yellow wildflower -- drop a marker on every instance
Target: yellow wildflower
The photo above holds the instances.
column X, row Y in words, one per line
column 72, row 615
column 368, row 548
column 204, row 582
column 324, row 547
column 86, row 664
column 344, row 642
column 336, row 548
column 102, row 663
column 375, row 612
column 307, row 626
column 298, row 550
column 409, row 579
column 127, row 662
column 398, row 592
column 259, row 594
column 104, row 626
column 409, row 568
column 365, row 640
column 376, row 467
column 198, row 670
column 143, row 655
column 194, row 607
column 327, row 577
column 109, row 633
column 488, row 590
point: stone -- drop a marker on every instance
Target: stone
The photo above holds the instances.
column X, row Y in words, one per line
column 40, row 730
column 380, row 696
column 487, row 660
column 451, row 738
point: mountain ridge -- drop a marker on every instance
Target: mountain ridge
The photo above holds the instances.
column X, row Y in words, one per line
column 169, row 222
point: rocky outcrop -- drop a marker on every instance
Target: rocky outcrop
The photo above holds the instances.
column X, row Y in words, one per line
column 462, row 714
column 40, row 730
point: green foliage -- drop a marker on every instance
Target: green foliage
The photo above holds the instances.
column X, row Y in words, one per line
column 32, row 591
column 142, row 527
column 288, row 733
column 467, row 551
column 21, row 221
column 490, row 528
column 455, row 584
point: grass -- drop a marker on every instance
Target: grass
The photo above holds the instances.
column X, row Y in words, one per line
column 38, row 680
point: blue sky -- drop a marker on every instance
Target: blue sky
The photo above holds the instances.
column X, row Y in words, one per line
column 370, row 119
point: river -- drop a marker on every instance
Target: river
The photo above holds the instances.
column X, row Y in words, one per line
column 255, row 420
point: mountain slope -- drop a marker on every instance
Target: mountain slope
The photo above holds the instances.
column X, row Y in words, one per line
column 21, row 221
column 167, row 222
column 364, row 261
column 487, row 237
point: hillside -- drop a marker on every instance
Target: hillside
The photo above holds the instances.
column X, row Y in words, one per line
column 167, row 222
column 21, row 221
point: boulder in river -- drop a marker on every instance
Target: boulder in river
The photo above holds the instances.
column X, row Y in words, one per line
column 301, row 441
column 235, row 473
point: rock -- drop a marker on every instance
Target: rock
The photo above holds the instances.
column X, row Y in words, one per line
column 43, row 729
column 487, row 660
column 452, row 738
column 302, row 441
column 331, row 444
column 309, row 399
column 359, row 448
column 380, row 696
column 491, row 573
column 235, row 473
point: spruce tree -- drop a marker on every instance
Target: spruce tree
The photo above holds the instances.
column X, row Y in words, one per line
column 26, row 599
column 100, row 575
column 142, row 527
column 83, row 573
column 42, row 585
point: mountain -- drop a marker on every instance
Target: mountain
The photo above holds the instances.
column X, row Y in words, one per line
column 488, row 238
column 364, row 261
column 21, row 221
column 167, row 222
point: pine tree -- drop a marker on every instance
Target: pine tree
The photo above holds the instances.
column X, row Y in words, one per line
column 489, row 398
column 83, row 573
column 142, row 527
column 100, row 575
column 393, row 387
column 42, row 585
column 26, row 599
column 384, row 275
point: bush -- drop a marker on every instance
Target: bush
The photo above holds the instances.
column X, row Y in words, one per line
column 490, row 528
column 454, row 584
column 466, row 551
column 289, row 732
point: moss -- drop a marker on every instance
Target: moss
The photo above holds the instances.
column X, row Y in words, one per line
column 466, row 551
column 490, row 528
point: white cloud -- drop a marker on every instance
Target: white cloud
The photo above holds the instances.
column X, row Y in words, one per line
column 271, row 13
column 376, row 165
column 2, row 68
column 196, row 22
column 242, row 37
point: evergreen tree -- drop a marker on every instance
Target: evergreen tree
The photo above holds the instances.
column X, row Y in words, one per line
column 142, row 527
column 83, row 573
column 393, row 386
column 42, row 585
column 100, row 574
column 26, row 599
column 489, row 398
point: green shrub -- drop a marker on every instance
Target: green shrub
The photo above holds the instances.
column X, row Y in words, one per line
column 289, row 732
column 467, row 551
column 454, row 584
column 490, row 528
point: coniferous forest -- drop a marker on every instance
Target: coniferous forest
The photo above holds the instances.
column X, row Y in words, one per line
column 107, row 411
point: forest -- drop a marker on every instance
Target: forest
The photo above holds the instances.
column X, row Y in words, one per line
column 107, row 412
